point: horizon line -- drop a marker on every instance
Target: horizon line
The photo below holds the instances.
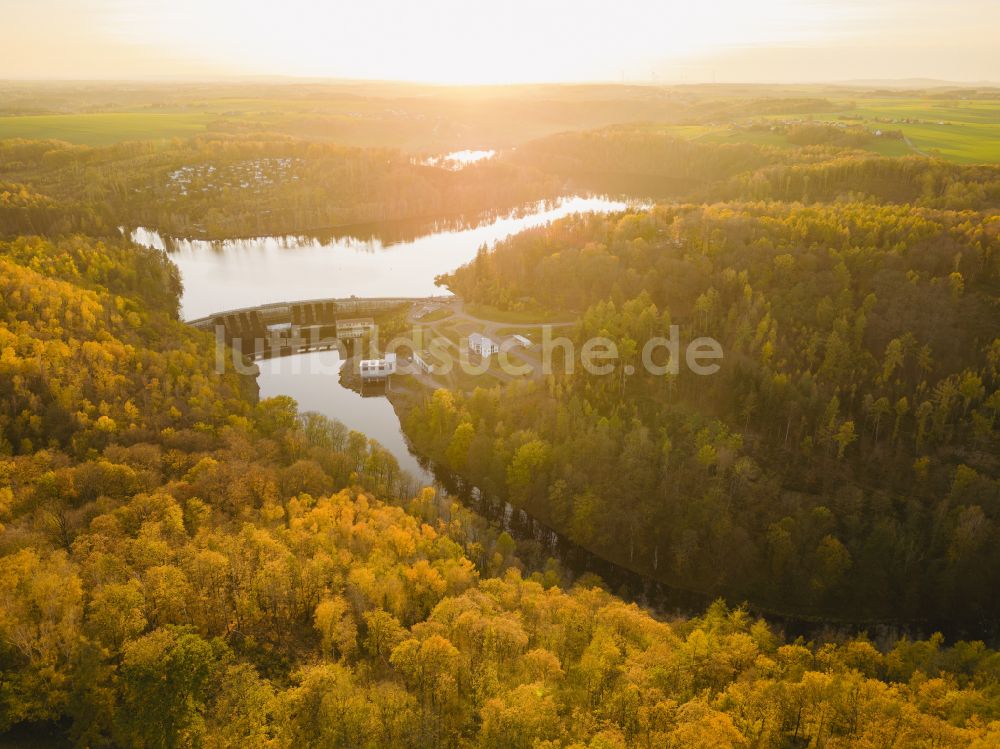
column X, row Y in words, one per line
column 902, row 82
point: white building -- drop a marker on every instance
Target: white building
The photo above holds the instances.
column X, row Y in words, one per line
column 482, row 345
column 520, row 340
column 357, row 327
column 378, row 369
column 423, row 360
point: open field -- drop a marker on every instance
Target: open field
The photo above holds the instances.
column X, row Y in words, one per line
column 961, row 142
column 492, row 314
column 953, row 129
column 958, row 125
column 420, row 119
column 104, row 128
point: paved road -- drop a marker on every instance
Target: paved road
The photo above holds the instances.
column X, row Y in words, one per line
column 491, row 326
column 516, row 354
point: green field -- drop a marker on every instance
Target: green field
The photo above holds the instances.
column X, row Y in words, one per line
column 963, row 142
column 953, row 129
column 524, row 317
column 434, row 120
column 104, row 128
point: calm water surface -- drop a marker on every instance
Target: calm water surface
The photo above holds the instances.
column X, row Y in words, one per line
column 459, row 159
column 313, row 381
column 235, row 273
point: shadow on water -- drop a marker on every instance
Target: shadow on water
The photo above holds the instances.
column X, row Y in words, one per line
column 665, row 600
column 649, row 593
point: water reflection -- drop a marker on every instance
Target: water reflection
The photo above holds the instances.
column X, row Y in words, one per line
column 238, row 273
column 313, row 381
column 458, row 159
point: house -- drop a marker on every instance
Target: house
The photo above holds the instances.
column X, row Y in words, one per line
column 378, row 369
column 423, row 360
column 520, row 340
column 482, row 345
column 357, row 327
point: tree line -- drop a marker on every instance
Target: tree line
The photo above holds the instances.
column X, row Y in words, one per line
column 220, row 186
column 825, row 165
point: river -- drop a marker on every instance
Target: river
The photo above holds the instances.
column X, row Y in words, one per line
column 366, row 261
column 313, row 381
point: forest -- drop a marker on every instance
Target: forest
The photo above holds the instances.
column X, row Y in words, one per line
column 185, row 565
column 245, row 186
column 842, row 463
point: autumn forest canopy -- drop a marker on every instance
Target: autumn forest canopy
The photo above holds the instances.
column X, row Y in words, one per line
column 186, row 564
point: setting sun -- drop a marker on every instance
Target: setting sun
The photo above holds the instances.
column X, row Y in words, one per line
column 449, row 41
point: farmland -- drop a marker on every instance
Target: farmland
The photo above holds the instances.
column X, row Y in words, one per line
column 953, row 129
column 105, row 127
column 958, row 125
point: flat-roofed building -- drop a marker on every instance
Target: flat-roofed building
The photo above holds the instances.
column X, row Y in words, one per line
column 423, row 360
column 357, row 327
column 482, row 345
column 378, row 369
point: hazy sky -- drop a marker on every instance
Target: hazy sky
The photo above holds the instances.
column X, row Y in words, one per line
column 474, row 41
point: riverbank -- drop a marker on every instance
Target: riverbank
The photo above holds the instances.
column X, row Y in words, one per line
column 538, row 539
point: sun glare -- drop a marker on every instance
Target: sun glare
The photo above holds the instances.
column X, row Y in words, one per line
column 469, row 42
column 518, row 41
